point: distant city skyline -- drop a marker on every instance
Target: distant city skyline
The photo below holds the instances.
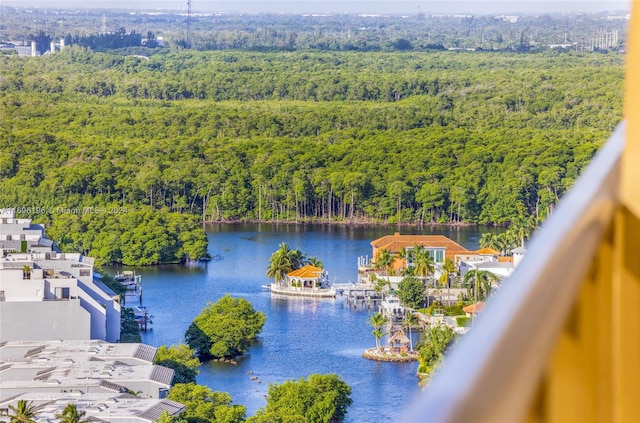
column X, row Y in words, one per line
column 333, row 6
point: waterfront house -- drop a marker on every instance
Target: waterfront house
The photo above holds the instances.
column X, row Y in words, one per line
column 308, row 277
column 491, row 261
column 439, row 247
column 308, row 281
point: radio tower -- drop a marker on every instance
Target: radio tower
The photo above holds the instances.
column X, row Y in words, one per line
column 188, row 23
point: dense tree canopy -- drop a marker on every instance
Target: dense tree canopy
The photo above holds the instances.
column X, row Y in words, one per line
column 317, row 399
column 224, row 328
column 181, row 359
column 411, row 292
column 204, row 405
column 432, row 347
column 122, row 156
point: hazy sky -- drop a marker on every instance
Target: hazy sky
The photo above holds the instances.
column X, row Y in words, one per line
column 357, row 6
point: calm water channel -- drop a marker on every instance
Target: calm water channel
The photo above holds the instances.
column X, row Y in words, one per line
column 300, row 337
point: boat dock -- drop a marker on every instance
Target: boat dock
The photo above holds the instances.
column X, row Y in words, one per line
column 133, row 293
column 132, row 284
column 356, row 294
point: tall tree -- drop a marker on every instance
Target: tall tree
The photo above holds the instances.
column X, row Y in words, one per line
column 480, row 283
column 23, row 412
column 378, row 321
column 224, row 328
column 181, row 359
column 448, row 271
column 317, row 399
column 280, row 263
column 204, row 405
column 424, row 266
column 411, row 292
column 70, row 414
column 432, row 347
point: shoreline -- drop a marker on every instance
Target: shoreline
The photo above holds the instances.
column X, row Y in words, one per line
column 383, row 354
column 358, row 223
column 350, row 223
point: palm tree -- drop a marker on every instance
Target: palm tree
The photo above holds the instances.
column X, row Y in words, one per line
column 384, row 260
column 448, row 270
column 489, row 240
column 279, row 264
column 405, row 255
column 523, row 227
column 410, row 320
column 284, row 260
column 378, row 321
column 423, row 265
column 378, row 333
column 23, row 412
column 314, row 261
column 480, row 283
column 296, row 258
column 70, row 414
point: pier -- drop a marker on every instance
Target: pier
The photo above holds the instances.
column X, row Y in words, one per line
column 356, row 294
column 133, row 292
column 132, row 284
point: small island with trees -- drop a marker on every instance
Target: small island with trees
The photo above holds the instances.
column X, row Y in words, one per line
column 297, row 275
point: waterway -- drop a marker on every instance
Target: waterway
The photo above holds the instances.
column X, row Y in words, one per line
column 300, row 336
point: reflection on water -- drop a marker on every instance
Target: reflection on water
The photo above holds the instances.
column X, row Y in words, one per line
column 301, row 336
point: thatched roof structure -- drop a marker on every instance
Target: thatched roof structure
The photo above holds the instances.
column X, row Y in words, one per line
column 399, row 338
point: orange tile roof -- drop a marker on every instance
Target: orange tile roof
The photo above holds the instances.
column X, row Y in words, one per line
column 487, row 252
column 505, row 259
column 474, row 308
column 306, row 272
column 396, row 242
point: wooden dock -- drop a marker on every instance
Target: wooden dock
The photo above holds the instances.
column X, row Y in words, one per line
column 358, row 294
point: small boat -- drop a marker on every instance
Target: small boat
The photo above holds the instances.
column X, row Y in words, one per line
column 141, row 313
column 391, row 307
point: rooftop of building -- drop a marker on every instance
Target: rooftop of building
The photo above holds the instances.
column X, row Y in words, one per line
column 21, row 351
column 306, row 272
column 34, row 366
column 396, row 242
column 98, row 407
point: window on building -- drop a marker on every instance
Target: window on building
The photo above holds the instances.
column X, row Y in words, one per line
column 62, row 293
column 439, row 256
column 85, row 272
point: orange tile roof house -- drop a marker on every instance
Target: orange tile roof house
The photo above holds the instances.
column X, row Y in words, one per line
column 442, row 247
column 308, row 277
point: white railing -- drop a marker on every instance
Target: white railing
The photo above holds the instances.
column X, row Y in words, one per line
column 493, row 372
